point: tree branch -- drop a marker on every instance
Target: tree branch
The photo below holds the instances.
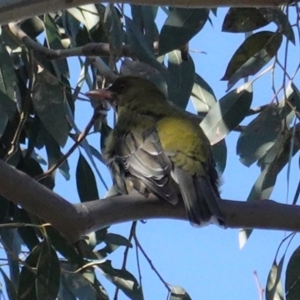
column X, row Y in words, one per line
column 13, row 10
column 75, row 220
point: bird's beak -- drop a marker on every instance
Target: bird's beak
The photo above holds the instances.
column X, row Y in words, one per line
column 101, row 97
column 100, row 94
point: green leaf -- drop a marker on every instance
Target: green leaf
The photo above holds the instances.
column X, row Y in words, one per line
column 12, row 242
column 63, row 246
column 78, row 285
column 47, row 273
column 48, row 101
column 243, row 19
column 259, row 135
column 181, row 74
column 86, row 14
column 274, row 289
column 116, row 239
column 142, row 50
column 28, row 234
column 85, row 180
column 124, row 280
column 277, row 16
column 202, row 96
column 53, row 39
column 178, row 293
column 219, row 151
column 10, row 289
column 254, row 53
column 182, row 23
column 27, row 287
column 54, row 154
column 226, row 114
column 114, row 29
column 292, row 276
column 144, row 18
column 7, row 86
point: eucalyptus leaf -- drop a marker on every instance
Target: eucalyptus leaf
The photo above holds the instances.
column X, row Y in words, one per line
column 259, row 135
column 114, row 30
column 227, row 113
column 48, row 101
column 276, row 15
column 178, row 293
column 292, row 283
column 53, row 39
column 254, row 53
column 182, row 23
column 243, row 19
column 85, row 180
column 124, row 280
column 47, row 273
column 202, row 96
column 274, row 289
column 181, row 74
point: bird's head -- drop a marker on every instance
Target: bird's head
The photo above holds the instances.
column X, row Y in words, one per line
column 127, row 91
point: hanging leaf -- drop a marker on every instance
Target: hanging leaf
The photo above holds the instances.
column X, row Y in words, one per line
column 178, row 293
column 226, row 114
column 259, row 135
column 86, row 14
column 254, row 53
column 10, row 289
column 243, row 19
column 277, row 16
column 292, row 276
column 274, row 289
column 202, row 96
column 219, row 151
column 144, row 18
column 114, row 30
column 48, row 101
column 85, row 180
column 181, row 74
column 53, row 39
column 79, row 286
column 26, row 286
column 47, row 273
column 124, row 280
column 138, row 42
column 182, row 23
column 7, row 87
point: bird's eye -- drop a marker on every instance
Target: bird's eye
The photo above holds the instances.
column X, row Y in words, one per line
column 122, row 87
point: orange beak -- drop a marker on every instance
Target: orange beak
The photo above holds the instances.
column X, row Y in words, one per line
column 100, row 94
column 100, row 97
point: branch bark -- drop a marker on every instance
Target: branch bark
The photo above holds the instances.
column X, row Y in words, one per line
column 13, row 10
column 75, row 220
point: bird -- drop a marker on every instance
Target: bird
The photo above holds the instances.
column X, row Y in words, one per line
column 156, row 147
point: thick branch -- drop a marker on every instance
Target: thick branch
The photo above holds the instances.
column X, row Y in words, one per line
column 75, row 220
column 13, row 10
column 260, row 214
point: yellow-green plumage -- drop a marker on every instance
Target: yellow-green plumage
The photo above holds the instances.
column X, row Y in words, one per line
column 157, row 148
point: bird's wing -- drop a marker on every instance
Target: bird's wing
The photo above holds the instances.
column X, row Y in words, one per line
column 193, row 168
column 147, row 166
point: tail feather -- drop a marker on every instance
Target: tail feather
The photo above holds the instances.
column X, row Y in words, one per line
column 199, row 197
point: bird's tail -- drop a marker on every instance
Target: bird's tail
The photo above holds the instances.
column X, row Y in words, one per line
column 200, row 198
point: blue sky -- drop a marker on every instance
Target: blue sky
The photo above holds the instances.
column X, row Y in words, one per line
column 206, row 262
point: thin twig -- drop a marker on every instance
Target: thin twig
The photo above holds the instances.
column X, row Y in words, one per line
column 24, row 110
column 150, row 263
column 261, row 290
column 126, row 252
column 80, row 138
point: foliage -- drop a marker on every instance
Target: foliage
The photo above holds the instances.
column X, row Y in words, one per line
column 38, row 105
